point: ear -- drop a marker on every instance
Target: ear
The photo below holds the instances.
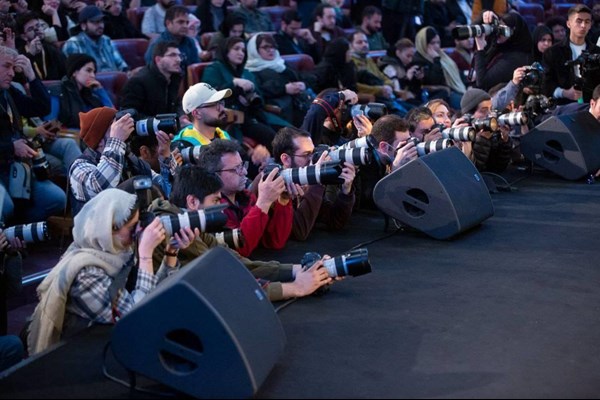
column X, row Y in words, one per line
column 286, row 160
column 192, row 202
column 145, row 152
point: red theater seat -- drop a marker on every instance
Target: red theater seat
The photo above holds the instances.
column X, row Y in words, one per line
column 113, row 82
column 299, row 62
column 132, row 50
column 194, row 72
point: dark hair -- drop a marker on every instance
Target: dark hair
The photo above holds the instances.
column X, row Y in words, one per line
column 436, row 103
column 283, row 142
column 161, row 48
column 318, row 12
column 579, row 8
column 175, row 11
column 127, row 186
column 137, row 142
column 230, row 21
column 351, row 37
column 25, row 18
column 265, row 37
column 417, row 115
column 369, row 11
column 404, row 43
column 557, row 20
column 596, row 93
column 385, row 128
column 291, row 15
column 196, row 181
column 210, row 156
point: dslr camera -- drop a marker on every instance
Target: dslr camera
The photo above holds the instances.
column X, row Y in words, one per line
column 488, row 124
column 354, row 156
column 462, row 32
column 373, row 111
column 327, row 173
column 168, row 123
column 211, row 219
column 533, row 75
column 353, row 263
column 430, row 146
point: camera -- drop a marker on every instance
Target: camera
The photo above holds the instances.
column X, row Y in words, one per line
column 586, row 61
column 190, row 154
column 513, row 119
column 168, row 123
column 431, row 146
column 353, row 263
column 537, row 105
column 470, row 31
column 368, row 141
column 373, row 111
column 232, row 238
column 327, row 173
column 354, row 155
column 533, row 75
column 488, row 124
column 30, row 233
column 464, row 134
column 211, row 219
column 40, row 165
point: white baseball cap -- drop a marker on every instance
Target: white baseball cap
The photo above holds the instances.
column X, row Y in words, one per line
column 200, row 94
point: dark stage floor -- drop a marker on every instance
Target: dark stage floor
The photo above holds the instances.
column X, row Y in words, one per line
column 508, row 310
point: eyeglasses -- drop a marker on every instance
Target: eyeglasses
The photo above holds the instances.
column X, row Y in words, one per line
column 268, row 47
column 238, row 169
column 305, row 155
column 175, row 55
column 34, row 28
column 220, row 103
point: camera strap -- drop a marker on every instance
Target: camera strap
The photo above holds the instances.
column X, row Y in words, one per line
column 337, row 124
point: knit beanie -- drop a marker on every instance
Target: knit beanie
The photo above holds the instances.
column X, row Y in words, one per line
column 94, row 125
column 76, row 61
column 471, row 100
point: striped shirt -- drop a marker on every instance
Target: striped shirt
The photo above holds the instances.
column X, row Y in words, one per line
column 103, row 50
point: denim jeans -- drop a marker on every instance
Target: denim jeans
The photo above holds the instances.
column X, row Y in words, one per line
column 61, row 153
column 46, row 199
column 11, row 351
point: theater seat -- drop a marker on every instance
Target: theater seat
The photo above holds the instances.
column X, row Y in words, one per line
column 376, row 54
column 533, row 13
column 194, row 72
column 299, row 62
column 205, row 39
column 132, row 50
column 113, row 82
column 135, row 15
column 561, row 9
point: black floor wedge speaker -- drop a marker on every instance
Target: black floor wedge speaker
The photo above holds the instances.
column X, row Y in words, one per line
column 440, row 194
column 207, row 331
column 568, row 145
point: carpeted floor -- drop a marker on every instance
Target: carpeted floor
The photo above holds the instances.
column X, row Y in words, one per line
column 507, row 310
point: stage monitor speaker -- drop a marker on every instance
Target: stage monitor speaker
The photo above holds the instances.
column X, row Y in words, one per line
column 568, row 145
column 440, row 194
column 207, row 331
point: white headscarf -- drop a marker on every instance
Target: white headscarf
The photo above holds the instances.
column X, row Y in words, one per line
column 256, row 63
column 93, row 245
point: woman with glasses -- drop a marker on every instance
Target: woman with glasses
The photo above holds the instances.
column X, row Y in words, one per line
column 279, row 84
column 229, row 72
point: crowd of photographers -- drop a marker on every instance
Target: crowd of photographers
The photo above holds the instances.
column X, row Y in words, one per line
column 158, row 183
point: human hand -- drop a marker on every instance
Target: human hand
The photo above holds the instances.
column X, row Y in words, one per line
column 518, row 75
column 405, row 152
column 387, row 91
column 176, row 154
column 480, row 42
column 49, row 9
column 348, row 174
column 183, row 239
column 259, row 155
column 489, row 17
column 122, row 128
column 350, row 96
column 151, row 237
column 307, row 281
column 410, row 73
column 572, row 94
column 269, row 189
column 23, row 63
column 317, row 26
column 17, row 244
column 291, row 88
column 48, row 130
column 245, row 84
column 363, row 125
column 306, row 35
column 294, row 190
column 164, row 144
column 93, row 83
column 34, row 47
column 22, row 149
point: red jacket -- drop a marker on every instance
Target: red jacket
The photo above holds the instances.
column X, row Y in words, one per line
column 272, row 230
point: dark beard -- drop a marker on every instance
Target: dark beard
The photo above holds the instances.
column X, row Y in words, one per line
column 216, row 122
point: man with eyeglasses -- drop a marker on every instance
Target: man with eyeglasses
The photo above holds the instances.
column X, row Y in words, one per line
column 46, row 59
column 329, row 205
column 265, row 218
column 177, row 20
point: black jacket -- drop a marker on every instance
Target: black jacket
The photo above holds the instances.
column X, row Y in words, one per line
column 150, row 94
column 492, row 155
column 286, row 45
column 72, row 102
column 560, row 75
column 120, row 27
column 52, row 66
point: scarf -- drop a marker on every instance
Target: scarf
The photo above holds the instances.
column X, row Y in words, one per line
column 256, row 63
column 93, row 245
column 451, row 72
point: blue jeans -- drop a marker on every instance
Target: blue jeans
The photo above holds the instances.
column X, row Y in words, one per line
column 46, row 199
column 8, row 208
column 61, row 153
column 11, row 351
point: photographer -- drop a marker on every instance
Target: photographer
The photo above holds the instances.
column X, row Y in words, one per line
column 11, row 348
column 567, row 83
column 325, row 118
column 88, row 285
column 107, row 160
column 265, row 218
column 45, row 198
column 394, row 147
column 491, row 152
column 330, row 205
column 497, row 56
column 194, row 189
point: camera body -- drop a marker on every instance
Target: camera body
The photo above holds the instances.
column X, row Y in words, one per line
column 471, row 31
column 353, row 263
column 537, row 105
column 488, row 124
column 39, row 163
column 168, row 123
column 373, row 111
column 352, row 155
column 534, row 75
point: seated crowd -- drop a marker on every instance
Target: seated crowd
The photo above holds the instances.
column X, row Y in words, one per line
column 73, row 143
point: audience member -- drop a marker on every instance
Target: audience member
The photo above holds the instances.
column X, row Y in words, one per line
column 330, row 205
column 499, row 7
column 44, row 197
column 542, row 41
column 60, row 15
column 176, row 23
column 595, row 29
column 336, row 69
column 565, row 82
column 463, row 57
column 212, row 13
column 324, row 28
column 265, row 218
column 406, row 76
column 153, row 23
column 341, row 19
column 437, row 15
column 401, row 18
column 371, row 27
column 93, row 42
column 256, row 20
column 116, row 23
column 233, row 26
column 293, row 39
column 193, row 33
column 558, row 25
column 88, row 285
